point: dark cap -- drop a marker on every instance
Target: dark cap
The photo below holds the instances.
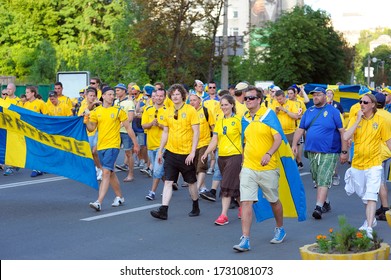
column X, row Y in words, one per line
column 318, row 89
column 106, row 89
column 52, row 93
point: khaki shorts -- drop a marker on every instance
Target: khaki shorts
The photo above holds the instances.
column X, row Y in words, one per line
column 251, row 180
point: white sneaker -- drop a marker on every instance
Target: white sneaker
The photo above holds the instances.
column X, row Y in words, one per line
column 99, row 174
column 369, row 231
column 365, row 225
column 210, row 171
column 202, row 190
column 95, row 205
column 118, row 201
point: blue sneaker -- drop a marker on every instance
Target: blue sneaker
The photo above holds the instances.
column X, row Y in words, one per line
column 9, row 171
column 279, row 235
column 244, row 244
column 36, row 173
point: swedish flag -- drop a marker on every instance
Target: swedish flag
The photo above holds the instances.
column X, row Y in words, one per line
column 291, row 189
column 57, row 145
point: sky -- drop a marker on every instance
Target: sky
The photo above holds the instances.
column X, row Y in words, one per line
column 355, row 14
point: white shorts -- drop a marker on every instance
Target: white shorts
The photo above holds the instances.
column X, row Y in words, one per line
column 365, row 183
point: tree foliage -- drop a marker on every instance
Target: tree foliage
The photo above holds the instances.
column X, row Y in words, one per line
column 302, row 47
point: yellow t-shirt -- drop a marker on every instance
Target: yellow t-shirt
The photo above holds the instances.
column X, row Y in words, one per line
column 368, row 137
column 83, row 107
column 61, row 109
column 229, row 131
column 385, row 152
column 108, row 124
column 180, row 135
column 154, row 134
column 62, row 98
column 14, row 101
column 37, row 105
column 128, row 106
column 240, row 109
column 168, row 102
column 213, row 106
column 288, row 124
column 258, row 139
column 205, row 127
column 302, row 109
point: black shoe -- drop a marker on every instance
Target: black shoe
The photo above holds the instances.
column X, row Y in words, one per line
column 175, row 186
column 300, row 165
column 233, row 204
column 195, row 212
column 161, row 213
column 381, row 210
column 208, row 196
column 381, row 217
column 317, row 214
column 326, row 207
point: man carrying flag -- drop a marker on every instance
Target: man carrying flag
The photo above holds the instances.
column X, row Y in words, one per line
column 263, row 137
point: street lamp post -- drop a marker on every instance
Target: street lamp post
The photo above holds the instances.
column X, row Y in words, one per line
column 374, row 60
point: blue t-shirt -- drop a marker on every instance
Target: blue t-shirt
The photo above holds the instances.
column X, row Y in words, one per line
column 323, row 135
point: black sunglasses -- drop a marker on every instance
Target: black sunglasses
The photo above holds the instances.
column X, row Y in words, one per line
column 155, row 114
column 212, row 87
column 92, row 83
column 250, row 98
column 176, row 115
column 365, row 102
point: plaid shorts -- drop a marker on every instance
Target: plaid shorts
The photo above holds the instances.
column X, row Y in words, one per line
column 322, row 167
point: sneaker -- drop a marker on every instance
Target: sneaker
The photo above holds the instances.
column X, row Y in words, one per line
column 244, row 244
column 317, row 214
column 184, row 185
column 175, row 186
column 148, row 172
column 202, row 190
column 136, row 164
column 381, row 216
column 233, row 204
column 123, row 167
column 365, row 225
column 99, row 174
column 300, row 165
column 240, row 212
column 381, row 210
column 118, row 201
column 222, row 220
column 279, row 235
column 335, row 180
column 210, row 171
column 326, row 207
column 150, row 195
column 36, row 173
column 95, row 205
column 9, row 171
column 208, row 196
column 369, row 231
column 143, row 169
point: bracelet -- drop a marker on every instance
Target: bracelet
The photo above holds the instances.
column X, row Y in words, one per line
column 270, row 155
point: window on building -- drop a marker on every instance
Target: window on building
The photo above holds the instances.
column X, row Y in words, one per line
column 233, row 31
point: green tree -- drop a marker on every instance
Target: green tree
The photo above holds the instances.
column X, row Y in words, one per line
column 43, row 68
column 301, row 47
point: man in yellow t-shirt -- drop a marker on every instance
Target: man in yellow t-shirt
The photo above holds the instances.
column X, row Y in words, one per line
column 368, row 131
column 57, row 107
column 107, row 119
column 287, row 113
column 58, row 88
column 207, row 123
column 180, row 139
column 11, row 97
column 152, row 123
column 259, row 168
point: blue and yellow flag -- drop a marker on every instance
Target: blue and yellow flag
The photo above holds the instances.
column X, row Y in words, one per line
column 57, row 145
column 291, row 189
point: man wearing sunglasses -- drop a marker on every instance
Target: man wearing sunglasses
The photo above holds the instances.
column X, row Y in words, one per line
column 179, row 143
column 370, row 131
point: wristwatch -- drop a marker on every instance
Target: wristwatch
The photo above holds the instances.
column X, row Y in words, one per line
column 344, row 152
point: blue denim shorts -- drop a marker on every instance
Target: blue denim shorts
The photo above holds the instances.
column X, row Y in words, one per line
column 158, row 169
column 141, row 138
column 126, row 142
column 93, row 140
column 108, row 157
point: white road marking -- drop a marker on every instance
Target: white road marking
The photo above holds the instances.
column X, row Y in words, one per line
column 120, row 213
column 32, row 182
column 305, row 173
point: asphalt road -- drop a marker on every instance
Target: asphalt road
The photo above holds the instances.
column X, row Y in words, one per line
column 48, row 218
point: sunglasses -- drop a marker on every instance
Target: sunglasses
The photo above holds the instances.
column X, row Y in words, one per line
column 176, row 115
column 365, row 102
column 250, row 98
column 224, row 130
column 4, row 94
column 92, row 83
column 156, row 114
column 212, row 87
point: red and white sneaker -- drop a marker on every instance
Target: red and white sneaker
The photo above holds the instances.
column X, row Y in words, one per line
column 222, row 220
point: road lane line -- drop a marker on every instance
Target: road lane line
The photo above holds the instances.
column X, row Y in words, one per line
column 305, row 173
column 32, row 182
column 120, row 212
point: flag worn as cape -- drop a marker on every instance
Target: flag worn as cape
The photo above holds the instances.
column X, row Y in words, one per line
column 291, row 189
column 57, row 145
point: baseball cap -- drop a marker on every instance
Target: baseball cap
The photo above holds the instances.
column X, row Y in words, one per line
column 121, row 86
column 318, row 89
column 136, row 87
column 241, row 86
